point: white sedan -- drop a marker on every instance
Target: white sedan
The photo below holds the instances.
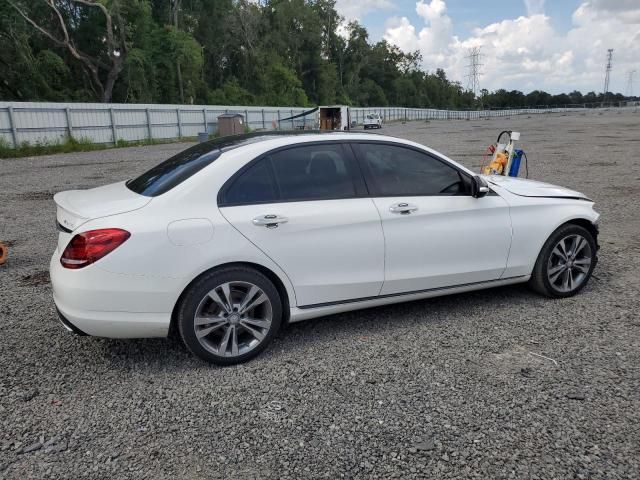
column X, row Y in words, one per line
column 372, row 120
column 230, row 239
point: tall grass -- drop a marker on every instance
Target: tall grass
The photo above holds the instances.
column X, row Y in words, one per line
column 68, row 145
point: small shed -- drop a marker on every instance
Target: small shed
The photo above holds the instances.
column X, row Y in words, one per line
column 230, row 124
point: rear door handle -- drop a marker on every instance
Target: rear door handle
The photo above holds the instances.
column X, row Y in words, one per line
column 403, row 208
column 269, row 221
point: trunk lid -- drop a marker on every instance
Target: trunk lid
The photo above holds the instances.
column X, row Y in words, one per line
column 76, row 207
column 533, row 188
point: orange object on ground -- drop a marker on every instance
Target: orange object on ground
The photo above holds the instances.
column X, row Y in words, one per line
column 497, row 165
column 4, row 253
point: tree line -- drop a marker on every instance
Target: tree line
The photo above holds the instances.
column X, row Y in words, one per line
column 224, row 52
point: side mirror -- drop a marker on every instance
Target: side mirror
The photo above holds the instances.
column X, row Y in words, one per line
column 479, row 187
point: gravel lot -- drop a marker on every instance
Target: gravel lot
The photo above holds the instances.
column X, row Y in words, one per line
column 444, row 388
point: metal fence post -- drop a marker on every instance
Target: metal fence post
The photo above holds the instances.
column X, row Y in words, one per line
column 292, row 122
column 278, row 127
column 69, row 125
column 179, row 123
column 114, row 128
column 12, row 125
column 263, row 126
column 204, row 116
column 246, row 117
column 149, row 132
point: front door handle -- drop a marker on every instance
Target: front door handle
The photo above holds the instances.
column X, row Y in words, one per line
column 269, row 221
column 403, row 208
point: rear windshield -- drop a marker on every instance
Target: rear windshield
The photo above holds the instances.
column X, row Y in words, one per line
column 172, row 172
column 177, row 169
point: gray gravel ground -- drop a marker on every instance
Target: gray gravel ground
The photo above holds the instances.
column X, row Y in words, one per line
column 445, row 388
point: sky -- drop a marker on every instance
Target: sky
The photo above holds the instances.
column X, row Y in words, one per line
column 553, row 45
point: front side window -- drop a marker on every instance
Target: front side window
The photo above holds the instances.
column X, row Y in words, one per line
column 399, row 171
column 310, row 172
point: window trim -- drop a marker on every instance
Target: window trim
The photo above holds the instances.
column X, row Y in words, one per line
column 371, row 183
column 353, row 167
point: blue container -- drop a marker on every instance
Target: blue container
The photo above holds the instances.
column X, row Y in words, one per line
column 515, row 163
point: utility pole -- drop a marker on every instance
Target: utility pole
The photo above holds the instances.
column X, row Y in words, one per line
column 607, row 75
column 175, row 10
column 629, row 90
column 473, row 77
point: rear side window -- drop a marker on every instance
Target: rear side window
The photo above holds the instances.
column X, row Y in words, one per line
column 166, row 175
column 313, row 172
column 399, row 171
column 256, row 185
column 310, row 172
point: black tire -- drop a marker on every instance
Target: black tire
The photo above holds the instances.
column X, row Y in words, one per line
column 541, row 278
column 198, row 293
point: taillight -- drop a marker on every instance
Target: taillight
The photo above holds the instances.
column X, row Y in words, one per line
column 88, row 247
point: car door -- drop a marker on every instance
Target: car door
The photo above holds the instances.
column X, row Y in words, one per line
column 436, row 233
column 306, row 208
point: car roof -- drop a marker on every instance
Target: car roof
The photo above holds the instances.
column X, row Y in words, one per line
column 233, row 142
column 257, row 143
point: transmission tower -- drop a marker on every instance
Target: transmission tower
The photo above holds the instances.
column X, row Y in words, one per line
column 473, row 77
column 629, row 90
column 607, row 74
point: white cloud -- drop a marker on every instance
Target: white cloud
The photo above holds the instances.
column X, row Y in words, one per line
column 356, row 9
column 534, row 7
column 433, row 40
column 528, row 52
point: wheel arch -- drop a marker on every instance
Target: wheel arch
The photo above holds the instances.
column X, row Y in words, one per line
column 587, row 224
column 267, row 272
column 583, row 222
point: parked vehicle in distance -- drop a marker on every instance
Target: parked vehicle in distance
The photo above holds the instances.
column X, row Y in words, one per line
column 372, row 120
column 230, row 239
column 334, row 117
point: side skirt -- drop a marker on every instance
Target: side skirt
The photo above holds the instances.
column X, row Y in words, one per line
column 307, row 312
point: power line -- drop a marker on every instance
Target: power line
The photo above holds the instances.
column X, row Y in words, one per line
column 629, row 90
column 473, row 77
column 607, row 73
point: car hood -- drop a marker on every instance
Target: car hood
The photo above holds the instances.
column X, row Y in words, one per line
column 533, row 188
column 76, row 207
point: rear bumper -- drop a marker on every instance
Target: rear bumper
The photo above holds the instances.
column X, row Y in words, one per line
column 68, row 325
column 95, row 302
column 113, row 324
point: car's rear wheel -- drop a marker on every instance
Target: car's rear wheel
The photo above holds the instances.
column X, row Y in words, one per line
column 565, row 262
column 229, row 316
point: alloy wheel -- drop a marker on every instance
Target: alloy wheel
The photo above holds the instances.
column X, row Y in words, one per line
column 569, row 263
column 233, row 318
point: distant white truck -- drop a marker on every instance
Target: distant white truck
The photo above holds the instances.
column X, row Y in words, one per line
column 334, row 117
column 372, row 120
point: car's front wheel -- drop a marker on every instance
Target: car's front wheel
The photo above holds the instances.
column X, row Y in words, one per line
column 229, row 316
column 565, row 262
